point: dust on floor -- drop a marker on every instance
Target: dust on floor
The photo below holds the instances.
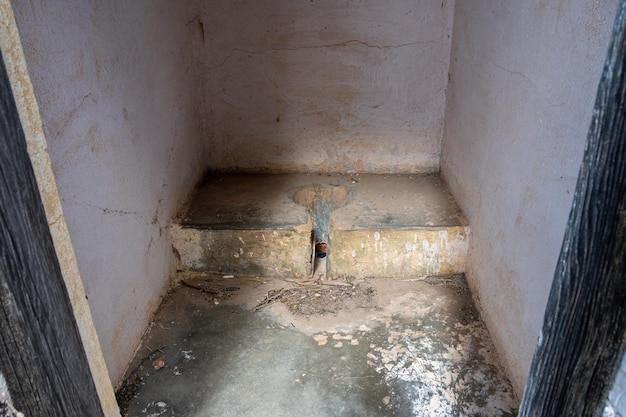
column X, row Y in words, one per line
column 245, row 346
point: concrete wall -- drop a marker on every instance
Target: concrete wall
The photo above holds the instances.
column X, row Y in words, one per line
column 323, row 84
column 116, row 90
column 523, row 83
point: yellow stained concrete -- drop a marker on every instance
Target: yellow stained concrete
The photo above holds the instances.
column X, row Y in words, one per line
column 358, row 254
column 245, row 252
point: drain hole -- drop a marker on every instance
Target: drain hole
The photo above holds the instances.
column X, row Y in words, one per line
column 320, row 201
column 319, row 261
column 320, row 250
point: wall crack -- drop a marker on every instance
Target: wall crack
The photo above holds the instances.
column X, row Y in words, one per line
column 110, row 211
column 347, row 43
column 513, row 72
column 73, row 113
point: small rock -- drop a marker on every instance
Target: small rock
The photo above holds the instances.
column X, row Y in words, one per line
column 386, row 400
column 320, row 339
column 158, row 363
column 339, row 345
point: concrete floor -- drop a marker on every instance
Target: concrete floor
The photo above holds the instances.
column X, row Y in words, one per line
column 407, row 348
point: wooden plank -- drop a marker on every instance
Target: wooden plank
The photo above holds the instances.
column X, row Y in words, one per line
column 583, row 335
column 41, row 354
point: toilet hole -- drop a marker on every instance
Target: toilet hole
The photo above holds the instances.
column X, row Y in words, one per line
column 320, row 201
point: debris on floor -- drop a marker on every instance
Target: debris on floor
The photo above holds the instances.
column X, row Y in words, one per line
column 135, row 380
column 158, row 363
column 380, row 348
column 214, row 288
column 311, row 298
column 127, row 391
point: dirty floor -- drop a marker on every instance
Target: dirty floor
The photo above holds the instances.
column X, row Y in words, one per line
column 269, row 347
column 373, row 201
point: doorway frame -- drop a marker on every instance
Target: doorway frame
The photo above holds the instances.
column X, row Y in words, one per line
column 29, row 116
column 46, row 187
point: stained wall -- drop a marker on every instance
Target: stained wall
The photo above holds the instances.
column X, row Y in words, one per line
column 523, row 84
column 116, row 90
column 323, row 85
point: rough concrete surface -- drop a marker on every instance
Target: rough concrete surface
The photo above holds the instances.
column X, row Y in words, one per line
column 398, row 253
column 264, row 252
column 385, row 201
column 375, row 225
column 419, row 349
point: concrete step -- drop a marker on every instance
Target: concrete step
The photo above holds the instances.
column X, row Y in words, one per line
column 375, row 226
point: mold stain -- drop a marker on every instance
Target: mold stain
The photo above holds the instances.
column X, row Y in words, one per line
column 201, row 29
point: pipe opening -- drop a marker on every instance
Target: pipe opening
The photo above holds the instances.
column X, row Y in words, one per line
column 320, row 201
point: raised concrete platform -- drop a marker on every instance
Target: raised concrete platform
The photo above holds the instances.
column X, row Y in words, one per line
column 375, row 226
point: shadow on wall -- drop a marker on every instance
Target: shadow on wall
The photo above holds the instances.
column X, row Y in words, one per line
column 323, row 86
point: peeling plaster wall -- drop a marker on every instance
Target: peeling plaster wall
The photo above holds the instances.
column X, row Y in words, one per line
column 323, row 85
column 116, row 90
column 523, row 84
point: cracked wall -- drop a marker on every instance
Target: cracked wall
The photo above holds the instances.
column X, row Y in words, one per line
column 116, row 91
column 318, row 85
column 523, row 83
